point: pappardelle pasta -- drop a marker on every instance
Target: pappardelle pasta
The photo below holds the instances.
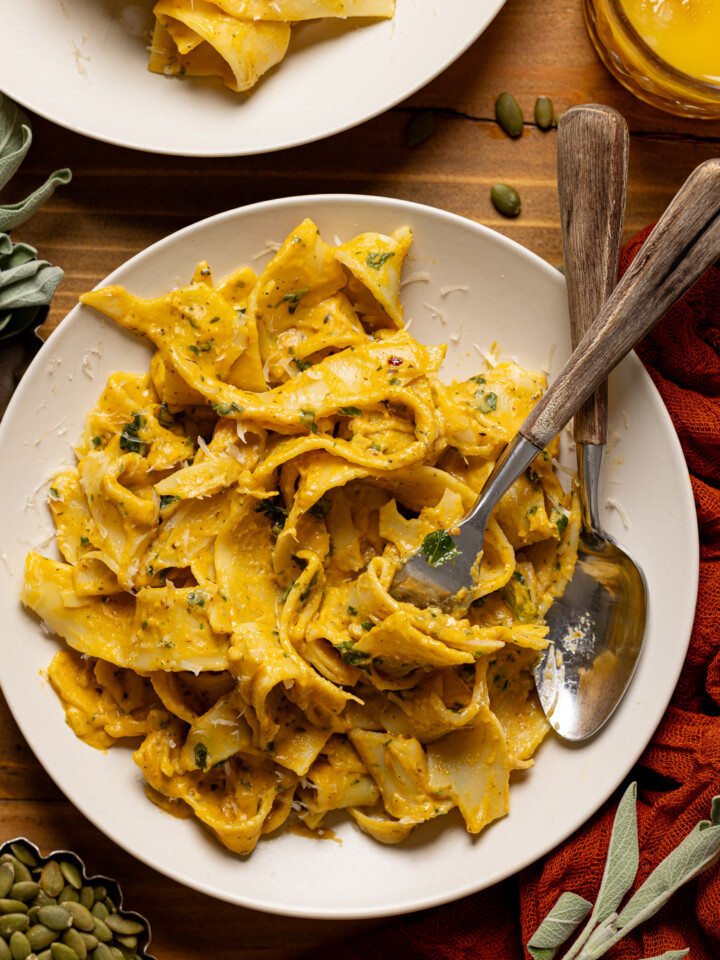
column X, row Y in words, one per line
column 232, row 527
column 238, row 40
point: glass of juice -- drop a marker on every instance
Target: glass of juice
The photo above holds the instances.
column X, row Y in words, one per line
column 667, row 52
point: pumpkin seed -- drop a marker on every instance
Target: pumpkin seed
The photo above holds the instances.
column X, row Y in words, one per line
column 45, row 955
column 68, row 893
column 102, row 952
column 82, row 918
column 73, row 939
column 7, row 878
column 61, row 951
column 33, row 915
column 544, row 112
column 124, row 925
column 89, row 939
column 99, row 910
column 43, row 899
column 87, row 897
column 23, row 854
column 117, row 953
column 100, row 892
column 506, row 200
column 21, row 871
column 129, row 942
column 420, row 128
column 71, row 874
column 41, row 936
column 102, row 931
column 20, row 946
column 13, row 906
column 51, row 879
column 509, row 115
column 55, row 917
column 11, row 922
column 25, row 890
column 5, row 951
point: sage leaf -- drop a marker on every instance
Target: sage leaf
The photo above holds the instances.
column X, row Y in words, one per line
column 15, row 321
column 13, row 214
column 715, row 812
column 15, row 138
column 29, row 285
column 623, row 857
column 697, row 851
column 670, row 955
column 568, row 913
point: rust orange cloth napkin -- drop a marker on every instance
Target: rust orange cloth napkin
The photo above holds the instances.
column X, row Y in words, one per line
column 679, row 772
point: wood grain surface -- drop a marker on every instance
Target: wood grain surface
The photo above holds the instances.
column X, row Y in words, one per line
column 120, row 201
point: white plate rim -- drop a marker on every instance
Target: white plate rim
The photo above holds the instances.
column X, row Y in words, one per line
column 653, row 717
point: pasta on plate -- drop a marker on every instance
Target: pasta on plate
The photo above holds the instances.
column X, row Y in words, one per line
column 230, row 532
column 238, row 40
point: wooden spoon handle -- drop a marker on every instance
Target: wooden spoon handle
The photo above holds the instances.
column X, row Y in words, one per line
column 592, row 162
column 685, row 241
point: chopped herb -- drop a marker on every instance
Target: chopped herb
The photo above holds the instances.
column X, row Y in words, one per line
column 350, row 411
column 97, row 441
column 225, row 409
column 367, row 624
column 395, row 381
column 167, row 500
column 198, row 348
column 309, row 588
column 376, row 260
column 200, row 751
column 55, row 493
column 196, row 598
column 307, row 419
column 351, row 656
column 352, row 611
column 272, row 508
column 560, row 521
column 518, row 576
column 301, row 364
column 477, row 379
column 439, row 547
column 84, row 541
column 129, row 439
column 165, row 418
column 294, row 298
column 487, row 402
column 320, row 509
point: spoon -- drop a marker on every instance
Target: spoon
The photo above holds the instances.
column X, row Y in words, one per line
column 597, row 625
column 685, row 241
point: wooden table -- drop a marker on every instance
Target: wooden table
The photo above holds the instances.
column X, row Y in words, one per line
column 120, row 201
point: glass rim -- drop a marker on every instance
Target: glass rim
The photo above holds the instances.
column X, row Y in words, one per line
column 686, row 79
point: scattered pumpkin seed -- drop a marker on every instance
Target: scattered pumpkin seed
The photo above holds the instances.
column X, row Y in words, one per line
column 68, row 894
column 102, row 952
column 89, row 939
column 102, row 931
column 5, row 951
column 87, row 897
column 544, row 113
column 99, row 910
column 81, row 916
column 420, row 128
column 117, row 953
column 26, row 890
column 20, row 946
column 11, row 922
column 21, row 871
column 124, row 925
column 43, row 899
column 51, row 879
column 506, row 200
column 55, row 917
column 45, row 955
column 509, row 115
column 61, row 951
column 71, row 874
column 129, row 942
column 23, row 854
column 13, row 906
column 100, row 892
column 41, row 936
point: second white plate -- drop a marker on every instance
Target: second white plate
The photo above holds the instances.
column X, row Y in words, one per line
column 83, row 64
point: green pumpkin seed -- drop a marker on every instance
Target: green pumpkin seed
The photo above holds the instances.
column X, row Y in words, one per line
column 509, row 115
column 20, row 946
column 13, row 906
column 71, row 874
column 125, row 925
column 420, row 128
column 23, row 854
column 55, row 917
column 5, row 951
column 99, row 910
column 43, row 900
column 544, row 112
column 88, row 939
column 61, row 951
column 51, row 879
column 68, row 894
column 33, row 915
column 41, row 936
column 102, row 931
column 102, row 952
column 20, row 870
column 25, row 890
column 73, row 939
column 11, row 922
column 127, row 953
column 82, row 918
column 129, row 942
column 117, row 953
column 7, row 878
column 87, row 897
column 506, row 200
column 45, row 955
column 100, row 892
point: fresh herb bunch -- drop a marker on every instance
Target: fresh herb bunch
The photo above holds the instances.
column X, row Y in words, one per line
column 605, row 927
column 26, row 283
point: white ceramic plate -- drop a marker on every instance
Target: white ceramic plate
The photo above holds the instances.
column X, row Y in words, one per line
column 83, row 64
column 506, row 295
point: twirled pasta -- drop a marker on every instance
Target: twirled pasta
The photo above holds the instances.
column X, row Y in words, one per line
column 230, row 533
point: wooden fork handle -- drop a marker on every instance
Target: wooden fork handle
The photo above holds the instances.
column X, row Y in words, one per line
column 684, row 243
column 592, row 162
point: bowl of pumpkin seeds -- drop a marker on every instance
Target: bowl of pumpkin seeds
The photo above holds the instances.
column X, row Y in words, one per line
column 51, row 910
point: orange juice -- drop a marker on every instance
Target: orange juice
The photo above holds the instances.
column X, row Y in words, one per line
column 683, row 33
column 667, row 52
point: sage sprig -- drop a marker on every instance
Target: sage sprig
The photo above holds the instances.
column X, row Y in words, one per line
column 26, row 283
column 605, row 926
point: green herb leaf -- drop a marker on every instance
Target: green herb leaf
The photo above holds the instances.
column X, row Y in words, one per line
column 166, row 500
column 13, row 214
column 301, row 364
column 273, row 509
column 562, row 921
column 165, row 418
column 200, row 751
column 487, row 402
column 307, row 419
column 225, row 409
column 350, row 411
column 623, row 857
column 439, row 547
column 294, row 298
column 320, row 508
column 376, row 260
column 129, row 439
column 670, row 955
column 15, row 138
